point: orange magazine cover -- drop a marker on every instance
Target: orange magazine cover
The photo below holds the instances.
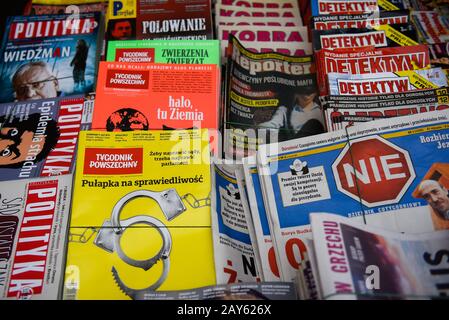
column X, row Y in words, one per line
column 144, row 96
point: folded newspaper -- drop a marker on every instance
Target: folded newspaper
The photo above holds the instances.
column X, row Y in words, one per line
column 357, row 261
column 366, row 171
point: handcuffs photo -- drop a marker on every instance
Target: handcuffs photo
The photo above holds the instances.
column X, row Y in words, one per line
column 110, row 233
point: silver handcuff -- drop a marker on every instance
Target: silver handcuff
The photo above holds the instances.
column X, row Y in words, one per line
column 109, row 235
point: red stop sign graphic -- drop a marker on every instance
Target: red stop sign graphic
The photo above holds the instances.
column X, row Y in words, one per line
column 374, row 171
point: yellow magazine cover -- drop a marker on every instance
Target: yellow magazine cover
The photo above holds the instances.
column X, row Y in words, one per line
column 141, row 215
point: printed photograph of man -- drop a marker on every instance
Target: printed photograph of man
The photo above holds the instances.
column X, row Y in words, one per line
column 34, row 80
column 121, row 29
column 16, row 140
column 437, row 197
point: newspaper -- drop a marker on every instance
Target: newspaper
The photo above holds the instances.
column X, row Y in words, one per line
column 241, row 183
column 379, row 36
column 267, row 96
column 34, row 215
column 235, row 260
column 256, row 209
column 366, row 170
column 357, row 261
column 386, row 82
column 361, row 61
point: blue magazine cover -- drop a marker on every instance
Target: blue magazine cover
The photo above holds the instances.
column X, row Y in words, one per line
column 49, row 56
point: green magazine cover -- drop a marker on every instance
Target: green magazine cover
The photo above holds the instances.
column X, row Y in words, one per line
column 165, row 51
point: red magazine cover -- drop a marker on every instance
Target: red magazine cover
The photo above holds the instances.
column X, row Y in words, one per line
column 144, row 96
column 369, row 60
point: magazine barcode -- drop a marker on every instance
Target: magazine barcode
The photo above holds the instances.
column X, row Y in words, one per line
column 70, row 293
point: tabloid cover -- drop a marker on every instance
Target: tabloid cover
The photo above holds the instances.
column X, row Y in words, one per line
column 386, row 82
column 165, row 51
column 354, row 61
column 39, row 138
column 366, row 171
column 49, row 56
column 34, row 216
column 141, row 215
column 142, row 96
column 346, row 21
column 390, row 35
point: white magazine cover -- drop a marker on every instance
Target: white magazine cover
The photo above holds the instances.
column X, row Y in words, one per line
column 385, row 82
column 292, row 41
column 357, row 261
column 241, row 183
column 263, row 12
column 270, row 270
column 34, row 217
column 366, row 171
column 259, row 21
column 233, row 251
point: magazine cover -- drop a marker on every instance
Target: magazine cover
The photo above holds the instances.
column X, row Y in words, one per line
column 235, row 259
column 34, row 216
column 165, row 51
column 386, row 82
column 43, row 7
column 256, row 209
column 357, row 21
column 368, row 263
column 262, row 12
column 141, row 215
column 167, row 20
column 49, row 56
column 257, row 21
column 287, row 40
column 432, row 27
column 380, row 36
column 268, row 96
column 349, row 114
column 143, row 96
column 320, row 7
column 366, row 171
column 39, row 138
column 439, row 55
column 361, row 61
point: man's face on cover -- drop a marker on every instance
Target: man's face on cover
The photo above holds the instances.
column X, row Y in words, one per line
column 15, row 144
column 436, row 196
column 35, row 83
column 122, row 30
